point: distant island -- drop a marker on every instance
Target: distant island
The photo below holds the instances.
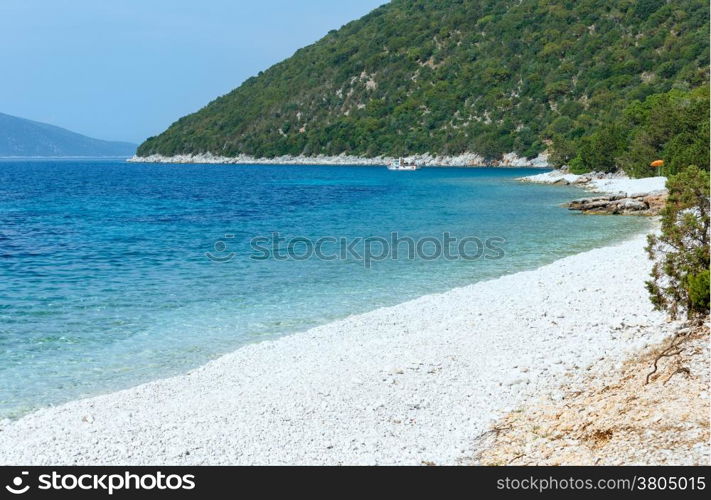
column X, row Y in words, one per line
column 25, row 138
column 453, row 78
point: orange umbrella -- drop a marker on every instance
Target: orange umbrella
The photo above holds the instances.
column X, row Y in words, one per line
column 657, row 163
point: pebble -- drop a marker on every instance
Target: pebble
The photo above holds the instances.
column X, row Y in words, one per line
column 445, row 381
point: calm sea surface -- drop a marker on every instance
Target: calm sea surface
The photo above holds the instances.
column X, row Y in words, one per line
column 113, row 273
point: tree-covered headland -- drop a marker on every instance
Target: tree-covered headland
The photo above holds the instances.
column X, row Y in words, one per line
column 601, row 84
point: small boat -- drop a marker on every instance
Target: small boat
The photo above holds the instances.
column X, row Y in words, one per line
column 402, row 164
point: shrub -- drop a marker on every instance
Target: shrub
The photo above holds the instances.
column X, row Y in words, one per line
column 680, row 274
column 672, row 126
column 598, row 152
column 698, row 285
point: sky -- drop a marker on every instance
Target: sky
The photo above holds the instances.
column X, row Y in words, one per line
column 127, row 69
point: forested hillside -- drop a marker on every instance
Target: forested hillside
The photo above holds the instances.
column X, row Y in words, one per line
column 449, row 76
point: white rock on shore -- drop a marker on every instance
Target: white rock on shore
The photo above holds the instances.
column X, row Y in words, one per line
column 407, row 384
column 617, row 183
column 630, row 187
column 427, row 160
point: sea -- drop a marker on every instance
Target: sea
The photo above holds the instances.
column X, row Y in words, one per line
column 113, row 273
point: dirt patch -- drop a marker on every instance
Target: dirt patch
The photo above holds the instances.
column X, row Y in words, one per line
column 625, row 416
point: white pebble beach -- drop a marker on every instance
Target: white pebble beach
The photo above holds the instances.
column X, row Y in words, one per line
column 410, row 384
column 603, row 183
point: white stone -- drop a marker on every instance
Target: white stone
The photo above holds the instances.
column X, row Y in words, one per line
column 265, row 403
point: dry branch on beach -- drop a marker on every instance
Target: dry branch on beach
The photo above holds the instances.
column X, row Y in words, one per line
column 654, row 410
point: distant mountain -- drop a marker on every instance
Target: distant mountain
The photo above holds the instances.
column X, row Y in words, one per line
column 20, row 137
column 454, row 76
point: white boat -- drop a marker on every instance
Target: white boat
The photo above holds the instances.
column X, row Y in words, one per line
column 402, row 164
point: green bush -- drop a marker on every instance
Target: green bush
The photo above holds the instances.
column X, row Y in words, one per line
column 599, row 152
column 671, row 126
column 680, row 274
column 698, row 285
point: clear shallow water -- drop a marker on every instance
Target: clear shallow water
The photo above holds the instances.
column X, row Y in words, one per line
column 105, row 282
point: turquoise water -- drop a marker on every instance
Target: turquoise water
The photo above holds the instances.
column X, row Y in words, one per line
column 105, row 281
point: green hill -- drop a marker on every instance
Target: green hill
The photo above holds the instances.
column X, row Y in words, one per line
column 449, row 76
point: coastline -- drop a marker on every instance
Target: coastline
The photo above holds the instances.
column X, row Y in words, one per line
column 426, row 160
column 617, row 194
column 409, row 384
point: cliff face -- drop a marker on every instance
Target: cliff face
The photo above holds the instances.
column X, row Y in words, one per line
column 453, row 76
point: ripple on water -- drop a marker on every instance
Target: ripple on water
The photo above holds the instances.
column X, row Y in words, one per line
column 106, row 283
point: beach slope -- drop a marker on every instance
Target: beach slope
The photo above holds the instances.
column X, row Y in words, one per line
column 409, row 384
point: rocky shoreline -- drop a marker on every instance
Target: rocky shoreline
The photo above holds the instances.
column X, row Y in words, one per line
column 619, row 195
column 425, row 160
column 619, row 204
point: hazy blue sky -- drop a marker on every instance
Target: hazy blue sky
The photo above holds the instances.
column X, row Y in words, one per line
column 126, row 69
